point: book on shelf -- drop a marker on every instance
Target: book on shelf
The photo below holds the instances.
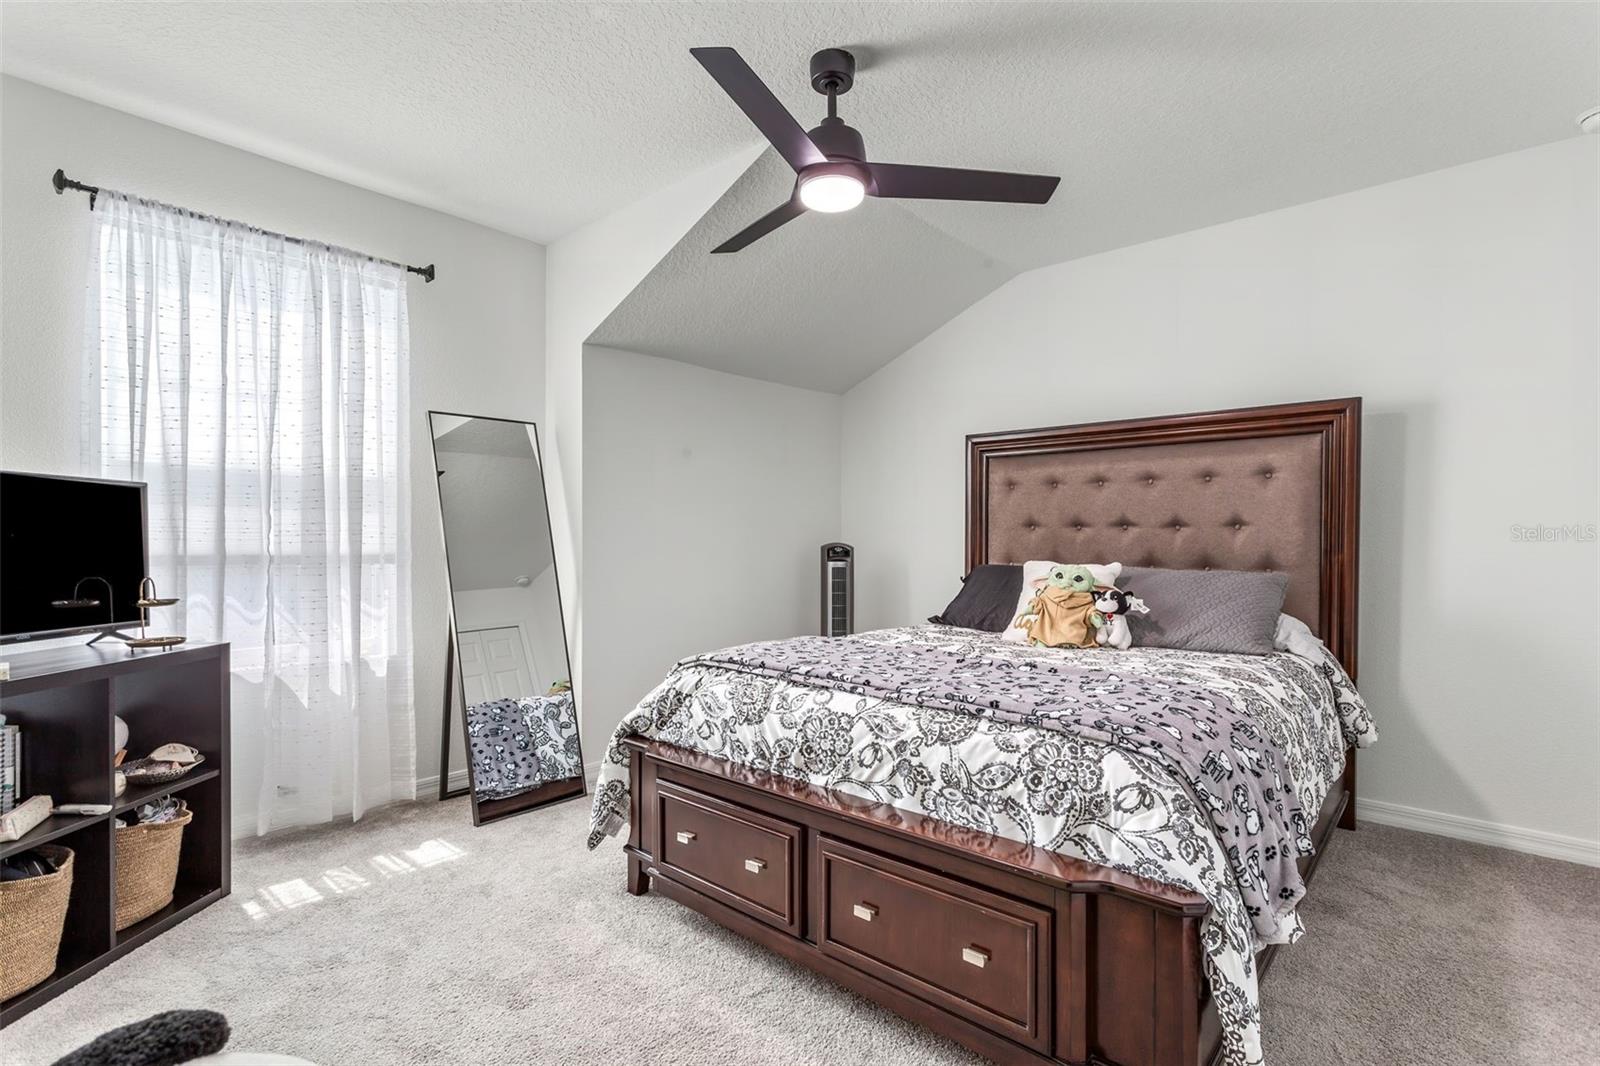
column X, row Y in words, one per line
column 10, row 767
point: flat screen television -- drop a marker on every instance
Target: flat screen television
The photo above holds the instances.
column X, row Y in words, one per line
column 72, row 555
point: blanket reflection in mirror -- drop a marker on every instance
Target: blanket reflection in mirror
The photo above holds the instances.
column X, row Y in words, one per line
column 520, row 743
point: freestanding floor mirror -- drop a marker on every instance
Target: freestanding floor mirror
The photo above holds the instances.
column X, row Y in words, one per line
column 511, row 680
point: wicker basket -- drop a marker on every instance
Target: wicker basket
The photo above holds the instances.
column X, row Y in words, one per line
column 33, row 912
column 147, row 867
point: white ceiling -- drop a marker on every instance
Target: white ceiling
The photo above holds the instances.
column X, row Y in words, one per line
column 821, row 303
column 1160, row 119
column 533, row 118
column 537, row 118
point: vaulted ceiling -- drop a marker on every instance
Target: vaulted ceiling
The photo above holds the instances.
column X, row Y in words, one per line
column 1160, row 119
column 537, row 118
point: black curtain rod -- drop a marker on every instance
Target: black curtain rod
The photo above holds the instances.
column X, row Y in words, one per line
column 62, row 183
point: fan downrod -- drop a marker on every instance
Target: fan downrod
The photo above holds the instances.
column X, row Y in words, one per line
column 833, row 71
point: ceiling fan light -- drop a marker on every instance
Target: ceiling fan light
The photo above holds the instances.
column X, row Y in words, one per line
column 832, row 192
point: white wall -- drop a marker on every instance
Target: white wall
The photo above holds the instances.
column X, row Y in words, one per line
column 477, row 333
column 706, row 498
column 1461, row 305
column 589, row 272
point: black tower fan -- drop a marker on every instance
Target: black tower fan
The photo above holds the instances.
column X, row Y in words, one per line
column 838, row 590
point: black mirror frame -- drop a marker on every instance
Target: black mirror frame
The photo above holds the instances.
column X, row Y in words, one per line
column 455, row 686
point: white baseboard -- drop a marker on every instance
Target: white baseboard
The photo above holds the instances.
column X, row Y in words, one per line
column 1531, row 841
column 244, row 824
column 428, row 787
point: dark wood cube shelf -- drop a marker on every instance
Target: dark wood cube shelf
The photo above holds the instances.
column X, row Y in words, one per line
column 64, row 699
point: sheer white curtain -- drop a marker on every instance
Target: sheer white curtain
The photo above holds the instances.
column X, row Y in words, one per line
column 259, row 386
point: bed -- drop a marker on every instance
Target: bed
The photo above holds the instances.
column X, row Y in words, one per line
column 1039, row 893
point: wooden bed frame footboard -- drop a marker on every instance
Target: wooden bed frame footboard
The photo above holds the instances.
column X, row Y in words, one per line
column 1020, row 954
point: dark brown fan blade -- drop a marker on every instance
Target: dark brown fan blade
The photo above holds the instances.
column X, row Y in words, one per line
column 762, row 226
column 757, row 102
column 909, row 182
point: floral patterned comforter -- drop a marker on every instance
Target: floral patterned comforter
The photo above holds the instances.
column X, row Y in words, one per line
column 1064, row 792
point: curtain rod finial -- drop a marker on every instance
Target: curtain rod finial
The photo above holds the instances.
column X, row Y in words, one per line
column 426, row 272
column 59, row 180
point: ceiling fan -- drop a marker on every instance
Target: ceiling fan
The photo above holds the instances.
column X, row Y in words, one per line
column 830, row 160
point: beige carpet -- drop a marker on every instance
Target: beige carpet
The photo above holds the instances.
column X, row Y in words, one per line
column 414, row 938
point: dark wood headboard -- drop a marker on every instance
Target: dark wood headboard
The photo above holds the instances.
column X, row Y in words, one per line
column 1259, row 488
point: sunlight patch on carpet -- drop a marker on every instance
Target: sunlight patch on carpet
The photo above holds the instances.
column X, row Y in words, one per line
column 343, row 880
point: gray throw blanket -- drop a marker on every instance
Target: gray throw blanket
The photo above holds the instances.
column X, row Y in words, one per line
column 1215, row 749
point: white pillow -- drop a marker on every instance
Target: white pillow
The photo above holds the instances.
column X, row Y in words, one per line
column 1295, row 637
column 1036, row 570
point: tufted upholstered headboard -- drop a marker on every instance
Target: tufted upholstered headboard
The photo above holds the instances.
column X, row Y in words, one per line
column 1259, row 488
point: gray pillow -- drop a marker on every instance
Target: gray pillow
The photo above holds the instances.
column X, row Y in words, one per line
column 987, row 600
column 1228, row 611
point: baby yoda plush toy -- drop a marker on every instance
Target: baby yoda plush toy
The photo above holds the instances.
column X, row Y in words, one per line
column 1061, row 614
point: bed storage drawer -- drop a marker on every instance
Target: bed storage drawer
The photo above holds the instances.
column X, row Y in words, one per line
column 971, row 952
column 747, row 860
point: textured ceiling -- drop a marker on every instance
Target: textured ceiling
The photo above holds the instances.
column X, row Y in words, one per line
column 537, row 118
column 832, row 299
column 1160, row 118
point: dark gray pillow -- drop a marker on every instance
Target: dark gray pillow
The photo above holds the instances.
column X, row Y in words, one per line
column 1228, row 611
column 987, row 600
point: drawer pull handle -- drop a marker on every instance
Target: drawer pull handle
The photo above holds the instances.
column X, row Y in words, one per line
column 975, row 956
column 755, row 866
column 685, row 837
column 865, row 911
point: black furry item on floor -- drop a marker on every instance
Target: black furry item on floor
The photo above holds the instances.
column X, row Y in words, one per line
column 165, row 1039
